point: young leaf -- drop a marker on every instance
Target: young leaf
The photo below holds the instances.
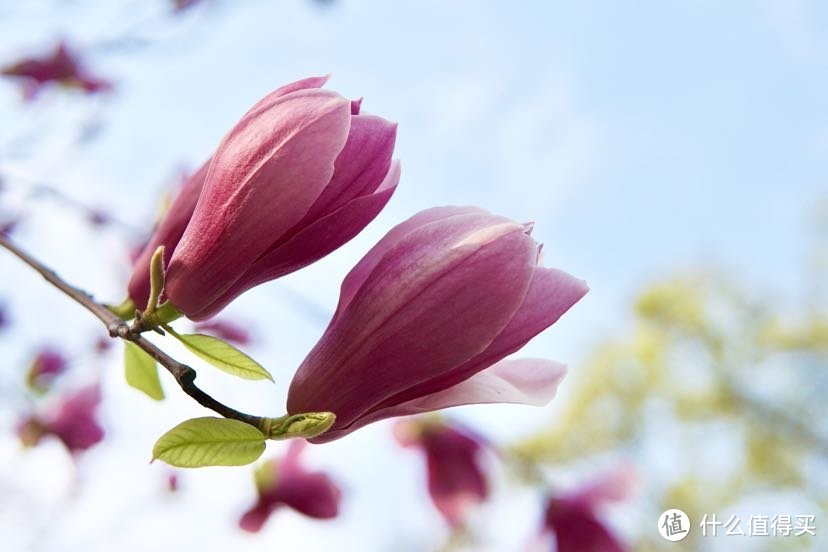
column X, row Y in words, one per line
column 210, row 442
column 142, row 371
column 223, row 356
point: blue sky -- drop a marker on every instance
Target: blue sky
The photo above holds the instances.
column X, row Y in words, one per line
column 641, row 138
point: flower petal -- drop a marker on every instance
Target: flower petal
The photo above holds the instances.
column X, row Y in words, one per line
column 357, row 276
column 531, row 381
column 312, row 243
column 524, row 381
column 456, row 479
column 301, row 84
column 254, row 519
column 551, row 293
column 360, row 167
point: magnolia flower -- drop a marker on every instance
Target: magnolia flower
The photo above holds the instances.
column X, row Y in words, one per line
column 48, row 364
column 287, row 483
column 573, row 519
column 62, row 66
column 73, row 421
column 299, row 175
column 426, row 318
column 456, row 478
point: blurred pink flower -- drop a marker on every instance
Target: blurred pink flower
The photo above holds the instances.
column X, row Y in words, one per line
column 287, row 483
column 183, row 5
column 456, row 478
column 573, row 519
column 73, row 421
column 48, row 364
column 173, row 482
column 103, row 344
column 299, row 175
column 426, row 318
column 226, row 330
column 62, row 66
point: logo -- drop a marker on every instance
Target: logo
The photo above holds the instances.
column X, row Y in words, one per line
column 673, row 524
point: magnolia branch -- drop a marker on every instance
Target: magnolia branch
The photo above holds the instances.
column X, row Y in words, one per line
column 117, row 328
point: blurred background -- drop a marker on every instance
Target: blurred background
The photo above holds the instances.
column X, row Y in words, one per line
column 671, row 154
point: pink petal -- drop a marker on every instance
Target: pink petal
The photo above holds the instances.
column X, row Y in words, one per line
column 456, row 480
column 313, row 494
column 275, row 161
column 301, row 84
column 436, row 299
column 74, row 422
column 313, row 242
column 361, row 166
column 357, row 276
column 530, row 381
column 551, row 293
column 577, row 528
column 524, row 381
column 254, row 519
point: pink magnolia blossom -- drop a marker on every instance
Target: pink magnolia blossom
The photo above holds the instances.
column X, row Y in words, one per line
column 102, row 345
column 62, row 66
column 426, row 318
column 299, row 175
column 73, row 421
column 456, row 476
column 574, row 521
column 288, row 483
column 48, row 364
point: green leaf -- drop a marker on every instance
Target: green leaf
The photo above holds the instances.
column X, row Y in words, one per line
column 142, row 371
column 210, row 442
column 222, row 355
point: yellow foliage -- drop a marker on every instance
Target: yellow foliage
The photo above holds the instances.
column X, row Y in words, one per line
column 691, row 353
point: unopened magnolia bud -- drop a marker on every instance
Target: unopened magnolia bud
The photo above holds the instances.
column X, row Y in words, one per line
column 156, row 279
column 305, row 426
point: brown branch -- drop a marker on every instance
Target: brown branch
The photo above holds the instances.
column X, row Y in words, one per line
column 117, row 328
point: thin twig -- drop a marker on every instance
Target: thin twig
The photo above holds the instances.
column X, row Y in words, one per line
column 117, row 328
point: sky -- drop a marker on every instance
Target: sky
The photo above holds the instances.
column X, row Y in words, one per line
column 642, row 139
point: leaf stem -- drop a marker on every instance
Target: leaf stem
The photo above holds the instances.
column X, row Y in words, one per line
column 117, row 328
